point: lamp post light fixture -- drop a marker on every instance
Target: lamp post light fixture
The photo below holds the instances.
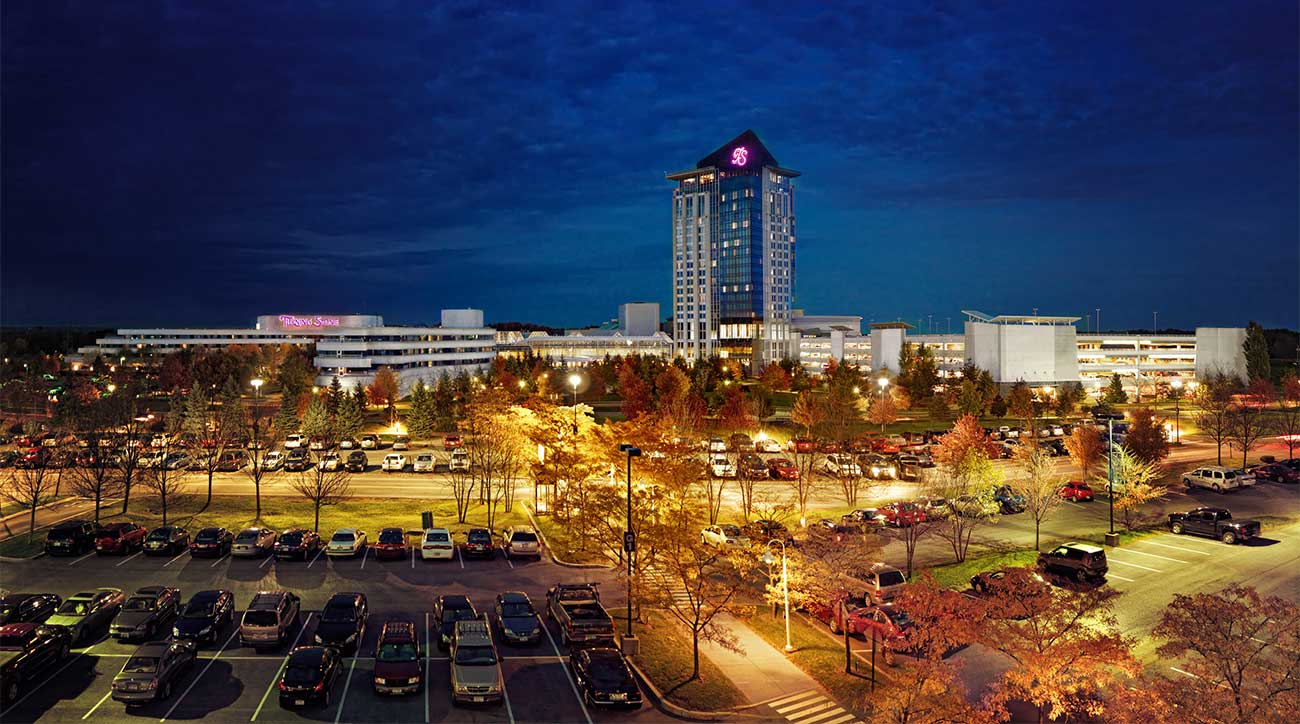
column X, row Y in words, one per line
column 769, row 559
column 883, row 382
column 629, row 538
column 1177, row 384
column 112, row 388
column 574, row 381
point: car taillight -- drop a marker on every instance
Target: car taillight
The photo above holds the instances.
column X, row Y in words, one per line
column 282, row 686
column 320, row 686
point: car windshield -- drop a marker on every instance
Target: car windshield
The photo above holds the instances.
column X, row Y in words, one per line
column 391, row 536
column 248, row 535
column 291, row 539
column 198, row 609
column 397, row 652
column 61, row 534
column 478, row 536
column 523, row 538
column 609, row 673
column 160, row 534
column 73, row 608
column 475, row 656
column 339, row 613
column 140, row 665
column 731, row 530
column 138, row 603
column 516, row 610
column 343, row 538
column 892, row 578
column 458, row 614
column 301, row 675
column 437, row 537
column 12, row 643
column 206, row 536
column 899, row 618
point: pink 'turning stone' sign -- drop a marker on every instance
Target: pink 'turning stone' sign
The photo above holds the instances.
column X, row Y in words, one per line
column 289, row 320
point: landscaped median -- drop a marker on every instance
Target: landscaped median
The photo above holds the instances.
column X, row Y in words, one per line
column 818, row 655
column 236, row 512
column 565, row 547
column 664, row 657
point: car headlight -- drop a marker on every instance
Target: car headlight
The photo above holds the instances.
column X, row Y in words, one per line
column 317, row 638
column 176, row 631
column 893, row 471
column 205, row 630
column 381, row 680
column 350, row 639
column 462, row 689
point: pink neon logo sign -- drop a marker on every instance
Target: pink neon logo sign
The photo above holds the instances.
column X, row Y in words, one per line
column 289, row 320
column 739, row 156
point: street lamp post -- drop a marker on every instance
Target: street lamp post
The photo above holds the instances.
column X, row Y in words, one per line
column 883, row 382
column 629, row 538
column 574, row 381
column 1177, row 384
column 785, row 587
column 1110, row 471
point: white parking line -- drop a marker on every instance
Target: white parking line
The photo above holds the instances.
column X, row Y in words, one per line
column 1177, row 548
column 268, row 559
column 219, row 560
column 102, row 699
column 1153, row 555
column 313, row 560
column 412, row 557
column 572, row 685
column 1114, row 575
column 1126, row 563
column 177, row 558
column 181, row 698
column 344, row 698
column 505, row 696
column 124, row 560
column 364, row 555
column 280, row 670
column 512, row 563
column 73, row 563
column 459, row 557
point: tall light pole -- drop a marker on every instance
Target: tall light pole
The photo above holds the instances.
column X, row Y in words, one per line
column 883, row 382
column 1110, row 471
column 785, row 588
column 629, row 538
column 1177, row 384
column 574, row 381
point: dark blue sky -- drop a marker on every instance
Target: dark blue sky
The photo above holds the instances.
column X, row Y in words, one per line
column 204, row 162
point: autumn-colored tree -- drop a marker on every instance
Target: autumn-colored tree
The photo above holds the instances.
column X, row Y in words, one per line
column 1214, row 408
column 1241, row 651
column 1135, row 483
column 736, row 414
column 883, row 411
column 677, row 403
column 1248, row 420
column 774, row 377
column 965, row 438
column 383, row 391
column 1020, row 402
column 807, row 412
column 964, row 472
column 1040, row 486
column 1255, row 350
column 496, row 443
column 1288, row 415
column 1146, row 437
column 1066, row 652
column 1085, row 448
column 843, row 401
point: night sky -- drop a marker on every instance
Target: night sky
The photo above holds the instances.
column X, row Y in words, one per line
column 195, row 163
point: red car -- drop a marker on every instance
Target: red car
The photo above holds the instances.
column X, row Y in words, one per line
column 782, row 469
column 451, row 441
column 901, row 515
column 1076, row 490
column 120, row 538
column 883, row 446
column 391, row 544
column 1276, row 473
column 399, row 663
column 802, row 445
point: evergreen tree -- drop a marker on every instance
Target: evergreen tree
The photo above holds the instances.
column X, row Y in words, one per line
column 970, row 401
column 1256, row 349
column 1020, row 401
column 1115, row 394
column 286, row 418
column 420, row 421
column 351, row 415
column 998, row 406
column 443, row 402
column 923, row 376
column 196, row 414
column 316, row 422
column 334, row 396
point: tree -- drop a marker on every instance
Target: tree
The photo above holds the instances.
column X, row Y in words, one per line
column 633, row 389
column 964, row 471
column 351, row 415
column 1065, row 653
column 1256, row 351
column 843, row 401
column 334, row 396
column 998, row 406
column 774, row 377
column 98, row 479
column 214, row 430
column 495, row 443
column 1134, row 484
column 1040, row 486
column 1214, row 409
column 421, row 421
column 882, row 411
column 1247, row 419
column 133, row 423
column 165, row 483
column 678, row 404
column 736, row 413
column 1115, row 394
column 316, row 422
column 1068, row 397
column 383, row 391
column 260, row 444
column 807, row 412
column 1288, row 415
column 1020, row 401
column 322, row 487
column 1146, row 437
column 30, row 487
column 286, row 418
column 970, row 401
column 1242, row 653
column 1085, row 448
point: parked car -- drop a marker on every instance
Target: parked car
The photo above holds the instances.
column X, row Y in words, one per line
column 1276, row 473
column 801, row 445
column 1076, row 490
column 782, row 469
column 424, row 463
column 294, row 441
column 215, row 542
column 152, row 672
column 604, row 678
column 167, row 540
column 766, row 530
column 391, row 543
column 974, row 506
column 517, row 619
column 902, row 514
column 71, row 537
column 1007, row 499
column 715, row 445
column 451, row 442
column 393, row 463
column 863, row 518
column 329, row 462
column 205, row 616
column 883, row 582
column 297, row 543
column 356, row 462
column 752, row 466
column 346, row 542
column 878, row 467
column 147, row 614
column 478, row 543
column 27, row 607
column 348, row 443
column 309, row 676
column 766, row 445
column 268, row 619
column 721, row 467
column 520, row 540
column 723, row 535
column 402, row 442
column 1218, row 478
column 1080, row 561
column 253, row 543
column 449, row 609
column 318, row 444
column 343, row 621
column 88, row 612
column 369, row 441
column 1214, row 523
column 119, row 538
column 841, row 465
column 297, row 460
column 740, row 442
column 177, row 461
column 828, row 530
column 27, row 650
column 399, row 661
column 475, row 670
column 1031, row 592
column 576, row 609
column 436, row 544
column 273, row 460
column 458, row 462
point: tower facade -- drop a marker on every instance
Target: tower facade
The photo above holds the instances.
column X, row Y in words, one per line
column 733, row 255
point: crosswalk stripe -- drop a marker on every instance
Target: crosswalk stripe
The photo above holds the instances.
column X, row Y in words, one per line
column 804, row 707
column 842, row 720
column 832, row 712
column 823, row 709
column 792, row 698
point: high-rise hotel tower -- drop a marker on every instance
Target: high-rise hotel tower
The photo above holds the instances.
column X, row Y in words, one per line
column 733, row 255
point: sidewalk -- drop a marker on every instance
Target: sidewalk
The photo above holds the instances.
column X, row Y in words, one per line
column 761, row 672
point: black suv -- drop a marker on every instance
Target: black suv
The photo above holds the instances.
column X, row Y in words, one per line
column 356, row 462
column 297, row 460
column 1080, row 561
column 343, row 621
column 204, row 617
column 71, row 537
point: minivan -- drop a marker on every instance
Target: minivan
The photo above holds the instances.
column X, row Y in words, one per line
column 520, row 540
column 268, row 619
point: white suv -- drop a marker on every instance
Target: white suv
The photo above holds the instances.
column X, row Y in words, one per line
column 1218, row 478
column 294, row 440
column 520, row 540
column 841, row 465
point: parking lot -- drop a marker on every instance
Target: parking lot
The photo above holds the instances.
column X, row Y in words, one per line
column 230, row 683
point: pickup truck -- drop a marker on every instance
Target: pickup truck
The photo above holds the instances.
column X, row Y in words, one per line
column 1213, row 523
column 582, row 620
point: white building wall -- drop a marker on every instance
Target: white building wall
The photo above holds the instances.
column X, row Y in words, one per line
column 1219, row 351
column 638, row 319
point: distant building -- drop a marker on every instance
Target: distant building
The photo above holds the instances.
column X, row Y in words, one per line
column 638, row 319
column 637, row 332
column 733, row 255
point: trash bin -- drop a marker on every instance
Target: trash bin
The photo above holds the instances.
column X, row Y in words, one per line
column 426, row 519
column 630, row 645
column 1112, row 540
